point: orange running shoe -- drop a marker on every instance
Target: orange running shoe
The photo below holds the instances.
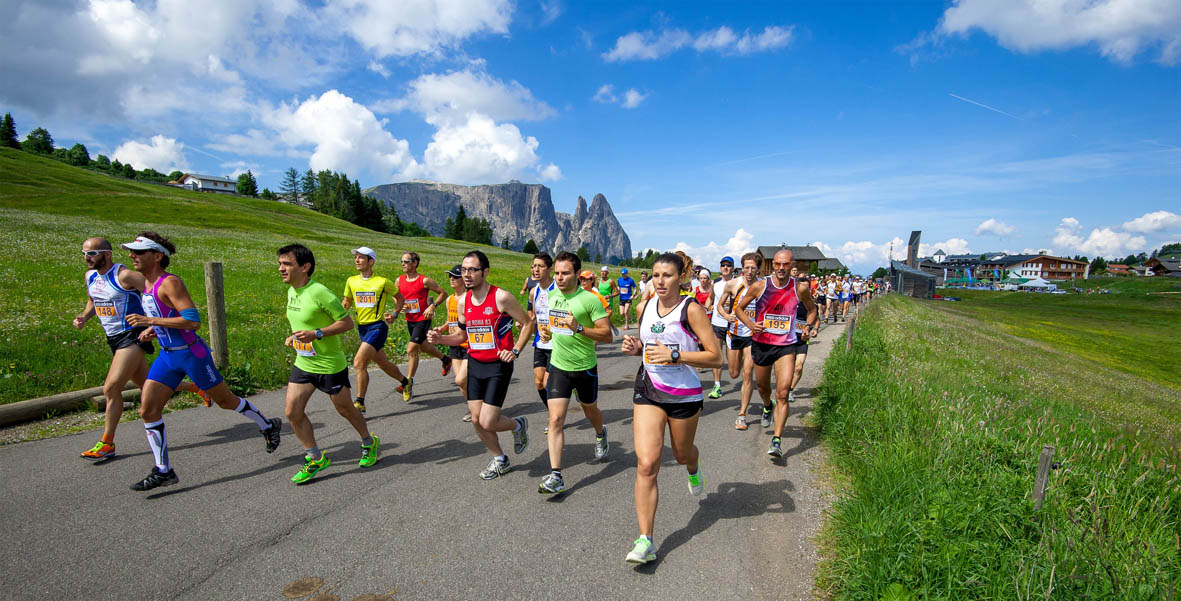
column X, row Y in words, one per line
column 204, row 397
column 100, row 452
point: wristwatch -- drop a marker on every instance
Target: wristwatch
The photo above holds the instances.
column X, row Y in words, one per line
column 516, row 352
column 676, row 356
column 319, row 333
column 579, row 329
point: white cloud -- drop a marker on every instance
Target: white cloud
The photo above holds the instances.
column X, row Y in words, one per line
column 410, row 27
column 1120, row 28
column 632, row 98
column 649, row 45
column 236, row 168
column 711, row 254
column 606, row 94
column 253, row 142
column 1105, row 241
column 345, row 135
column 479, row 150
column 996, row 228
column 865, row 256
column 550, row 11
column 452, row 96
column 378, row 68
column 162, row 154
column 1154, row 222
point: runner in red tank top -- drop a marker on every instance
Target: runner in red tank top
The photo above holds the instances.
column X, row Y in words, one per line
column 414, row 299
column 776, row 298
column 487, row 313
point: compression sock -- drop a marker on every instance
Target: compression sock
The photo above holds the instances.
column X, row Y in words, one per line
column 158, row 441
column 313, row 453
column 245, row 408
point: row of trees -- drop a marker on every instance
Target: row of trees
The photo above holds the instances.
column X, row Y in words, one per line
column 334, row 194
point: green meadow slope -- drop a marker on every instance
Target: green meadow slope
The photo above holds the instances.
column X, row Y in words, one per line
column 48, row 208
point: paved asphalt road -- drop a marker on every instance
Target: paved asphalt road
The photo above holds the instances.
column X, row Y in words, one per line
column 420, row 524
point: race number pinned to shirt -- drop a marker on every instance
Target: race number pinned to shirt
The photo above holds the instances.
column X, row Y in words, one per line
column 105, row 309
column 661, row 365
column 303, row 349
column 557, row 322
column 366, row 299
column 777, row 324
column 479, row 338
column 412, row 306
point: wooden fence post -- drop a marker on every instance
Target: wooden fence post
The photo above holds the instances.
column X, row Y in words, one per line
column 1043, row 474
column 849, row 334
column 215, row 294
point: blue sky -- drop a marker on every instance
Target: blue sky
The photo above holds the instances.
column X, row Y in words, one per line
column 713, row 127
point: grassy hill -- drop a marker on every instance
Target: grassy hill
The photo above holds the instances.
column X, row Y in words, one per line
column 49, row 208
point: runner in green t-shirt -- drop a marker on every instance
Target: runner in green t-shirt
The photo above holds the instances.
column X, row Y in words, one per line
column 577, row 322
column 317, row 319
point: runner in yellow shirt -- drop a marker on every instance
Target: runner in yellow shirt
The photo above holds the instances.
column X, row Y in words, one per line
column 369, row 294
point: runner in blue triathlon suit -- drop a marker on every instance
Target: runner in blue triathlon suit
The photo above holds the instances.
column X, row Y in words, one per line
column 627, row 289
column 174, row 321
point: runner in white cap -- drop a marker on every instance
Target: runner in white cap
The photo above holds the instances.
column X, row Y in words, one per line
column 369, row 294
column 717, row 319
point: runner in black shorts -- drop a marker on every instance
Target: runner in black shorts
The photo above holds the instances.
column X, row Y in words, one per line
column 486, row 314
column 804, row 335
column 458, row 352
column 541, row 273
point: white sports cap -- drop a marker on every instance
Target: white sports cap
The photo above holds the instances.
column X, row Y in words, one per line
column 142, row 243
column 365, row 250
column 604, row 268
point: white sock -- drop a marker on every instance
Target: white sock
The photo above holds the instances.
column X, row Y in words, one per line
column 158, row 441
column 245, row 408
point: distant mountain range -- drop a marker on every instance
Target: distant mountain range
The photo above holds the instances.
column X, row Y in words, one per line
column 516, row 211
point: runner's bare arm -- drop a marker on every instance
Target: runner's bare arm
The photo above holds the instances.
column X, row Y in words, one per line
column 131, row 279
column 727, row 294
column 86, row 314
column 506, row 302
column 440, row 297
column 599, row 331
column 172, row 292
column 804, row 292
column 438, row 337
column 753, row 292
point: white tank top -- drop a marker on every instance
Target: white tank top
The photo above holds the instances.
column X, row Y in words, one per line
column 112, row 304
column 669, row 382
column 540, row 300
column 717, row 320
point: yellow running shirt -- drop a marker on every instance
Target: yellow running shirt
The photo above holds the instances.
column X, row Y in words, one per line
column 369, row 296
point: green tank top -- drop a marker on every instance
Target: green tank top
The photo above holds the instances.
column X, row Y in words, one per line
column 605, row 288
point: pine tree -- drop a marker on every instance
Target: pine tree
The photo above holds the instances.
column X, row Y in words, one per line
column 530, row 247
column 8, row 137
column 79, row 156
column 583, row 253
column 247, row 185
column 504, row 244
column 307, row 187
column 290, row 184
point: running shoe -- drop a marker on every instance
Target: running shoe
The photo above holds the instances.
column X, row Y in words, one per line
column 272, row 434
column 467, row 417
column 310, row 468
column 156, row 478
column 716, row 392
column 697, row 481
column 360, row 404
column 776, row 449
column 601, row 446
column 101, row 451
column 551, row 484
column 642, row 552
column 740, row 423
column 406, row 390
column 446, row 365
column 765, row 421
column 496, row 468
column 204, row 397
column 521, row 435
column 791, row 396
column 369, row 452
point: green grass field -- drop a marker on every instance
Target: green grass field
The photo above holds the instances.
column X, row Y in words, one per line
column 936, row 419
column 49, row 208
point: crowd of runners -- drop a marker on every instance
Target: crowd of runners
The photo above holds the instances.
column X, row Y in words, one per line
column 686, row 320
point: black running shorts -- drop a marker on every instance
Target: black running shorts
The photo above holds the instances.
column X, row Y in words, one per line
column 129, row 338
column 329, row 384
column 562, row 384
column 765, row 355
column 673, row 410
column 738, row 343
column 417, row 330
column 488, row 382
column 541, row 357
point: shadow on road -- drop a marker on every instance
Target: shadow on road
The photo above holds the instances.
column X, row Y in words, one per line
column 731, row 501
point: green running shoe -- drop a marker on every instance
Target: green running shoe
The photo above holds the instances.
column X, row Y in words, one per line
column 716, row 392
column 697, row 481
column 311, row 467
column 369, row 452
column 642, row 552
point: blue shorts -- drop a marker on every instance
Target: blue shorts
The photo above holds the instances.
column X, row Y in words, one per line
column 623, row 300
column 196, row 362
column 374, row 333
column 846, row 297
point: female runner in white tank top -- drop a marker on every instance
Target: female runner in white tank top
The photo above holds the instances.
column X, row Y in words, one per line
column 675, row 339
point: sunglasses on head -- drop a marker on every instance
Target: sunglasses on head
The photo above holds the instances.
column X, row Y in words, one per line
column 94, row 253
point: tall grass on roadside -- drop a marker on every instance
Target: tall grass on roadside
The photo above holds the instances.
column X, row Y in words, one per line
column 936, row 423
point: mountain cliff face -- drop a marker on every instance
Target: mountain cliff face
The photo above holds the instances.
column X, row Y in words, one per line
column 516, row 211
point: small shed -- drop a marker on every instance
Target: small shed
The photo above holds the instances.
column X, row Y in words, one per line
column 910, row 281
